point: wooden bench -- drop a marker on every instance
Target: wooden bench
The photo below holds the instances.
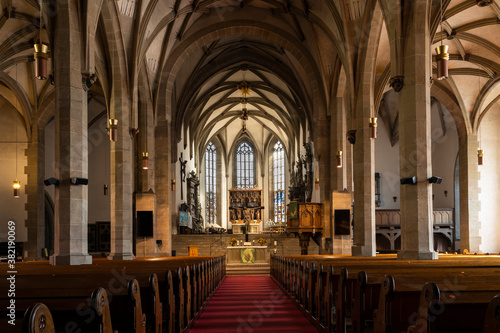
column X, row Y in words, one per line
column 346, row 294
column 177, row 288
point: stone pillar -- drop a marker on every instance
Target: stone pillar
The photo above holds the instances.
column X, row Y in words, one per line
column 71, row 155
column 322, row 152
column 163, row 180
column 364, row 185
column 415, row 139
column 469, row 194
column 146, row 178
column 338, row 142
column 35, row 192
column 121, row 182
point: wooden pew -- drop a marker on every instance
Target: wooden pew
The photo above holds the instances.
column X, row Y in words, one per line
column 79, row 281
column 38, row 319
column 466, row 311
column 384, row 264
column 100, row 305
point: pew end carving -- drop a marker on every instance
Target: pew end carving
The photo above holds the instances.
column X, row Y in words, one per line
column 38, row 319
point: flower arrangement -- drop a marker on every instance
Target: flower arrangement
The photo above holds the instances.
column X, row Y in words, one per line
column 233, row 241
column 262, row 241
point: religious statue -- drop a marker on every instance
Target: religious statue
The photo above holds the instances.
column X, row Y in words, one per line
column 183, row 174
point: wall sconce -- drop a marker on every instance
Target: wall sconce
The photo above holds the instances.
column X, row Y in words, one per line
column 145, row 161
column 446, row 194
column 17, row 188
column 105, row 189
column 435, row 180
column 373, row 128
column 339, row 159
column 113, row 129
column 480, row 155
column 409, row 181
column 41, row 56
column 316, row 181
column 395, row 199
column 173, row 184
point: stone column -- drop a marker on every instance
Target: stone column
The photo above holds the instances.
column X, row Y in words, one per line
column 469, row 194
column 415, row 139
column 163, row 180
column 146, row 178
column 322, row 152
column 121, row 182
column 35, row 193
column 338, row 142
column 71, row 154
column 364, row 185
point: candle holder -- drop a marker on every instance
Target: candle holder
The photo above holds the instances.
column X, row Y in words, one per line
column 373, row 128
column 113, row 129
column 145, row 160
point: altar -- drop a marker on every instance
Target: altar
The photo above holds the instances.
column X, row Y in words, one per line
column 247, row 254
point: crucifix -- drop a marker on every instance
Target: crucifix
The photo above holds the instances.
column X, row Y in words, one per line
column 183, row 174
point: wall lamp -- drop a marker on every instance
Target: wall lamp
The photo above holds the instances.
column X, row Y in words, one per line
column 435, row 180
column 79, row 181
column 409, row 181
column 51, row 181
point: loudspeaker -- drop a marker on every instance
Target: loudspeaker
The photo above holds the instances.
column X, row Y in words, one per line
column 409, row 181
column 145, row 223
column 79, row 181
column 435, row 180
column 51, row 181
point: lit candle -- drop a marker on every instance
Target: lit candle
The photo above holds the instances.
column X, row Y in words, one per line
column 275, row 243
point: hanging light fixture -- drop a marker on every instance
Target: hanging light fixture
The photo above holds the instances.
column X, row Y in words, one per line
column 145, row 153
column 373, row 128
column 339, row 159
column 17, row 184
column 17, row 188
column 41, row 53
column 442, row 55
column 480, row 153
column 245, row 90
column 145, row 160
column 113, row 129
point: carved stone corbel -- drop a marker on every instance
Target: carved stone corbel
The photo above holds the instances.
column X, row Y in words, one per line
column 396, row 83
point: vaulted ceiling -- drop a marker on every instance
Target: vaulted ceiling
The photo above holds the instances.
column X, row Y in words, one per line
column 290, row 52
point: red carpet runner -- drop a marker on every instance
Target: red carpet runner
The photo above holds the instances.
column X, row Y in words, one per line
column 250, row 304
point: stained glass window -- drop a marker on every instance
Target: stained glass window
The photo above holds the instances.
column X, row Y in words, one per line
column 211, row 183
column 244, row 166
column 279, row 182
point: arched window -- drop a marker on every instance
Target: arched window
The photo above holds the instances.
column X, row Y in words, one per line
column 279, row 182
column 211, row 183
column 244, row 166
